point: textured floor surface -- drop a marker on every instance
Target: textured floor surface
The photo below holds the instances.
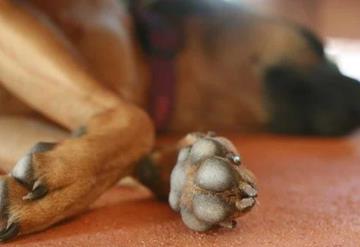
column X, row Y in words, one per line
column 309, row 196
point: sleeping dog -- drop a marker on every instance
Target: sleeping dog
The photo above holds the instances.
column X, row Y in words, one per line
column 96, row 67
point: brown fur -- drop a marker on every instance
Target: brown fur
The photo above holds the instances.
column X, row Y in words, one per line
column 207, row 73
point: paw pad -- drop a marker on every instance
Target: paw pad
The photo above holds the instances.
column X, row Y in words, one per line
column 209, row 186
column 215, row 174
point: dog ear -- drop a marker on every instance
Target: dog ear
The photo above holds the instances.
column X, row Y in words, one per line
column 313, row 40
column 319, row 101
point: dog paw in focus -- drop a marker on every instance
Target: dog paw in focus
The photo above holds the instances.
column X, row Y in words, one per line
column 209, row 185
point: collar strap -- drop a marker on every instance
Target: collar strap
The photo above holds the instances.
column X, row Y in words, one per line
column 162, row 42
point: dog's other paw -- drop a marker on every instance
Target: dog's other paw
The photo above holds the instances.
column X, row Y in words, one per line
column 20, row 191
column 40, row 191
column 209, row 185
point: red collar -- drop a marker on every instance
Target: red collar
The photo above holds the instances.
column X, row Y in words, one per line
column 162, row 41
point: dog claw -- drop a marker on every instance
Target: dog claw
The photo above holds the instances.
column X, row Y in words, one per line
column 39, row 190
column 247, row 190
column 208, row 185
column 245, row 204
column 9, row 232
column 230, row 224
column 24, row 172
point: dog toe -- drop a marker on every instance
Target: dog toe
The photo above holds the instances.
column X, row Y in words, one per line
column 245, row 204
column 205, row 148
column 192, row 222
column 25, row 173
column 38, row 191
column 215, row 174
column 210, row 208
column 23, row 170
column 174, row 200
column 247, row 190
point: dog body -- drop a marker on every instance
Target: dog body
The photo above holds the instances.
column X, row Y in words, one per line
column 83, row 63
column 209, row 78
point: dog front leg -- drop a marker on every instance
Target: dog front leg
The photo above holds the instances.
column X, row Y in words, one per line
column 57, row 180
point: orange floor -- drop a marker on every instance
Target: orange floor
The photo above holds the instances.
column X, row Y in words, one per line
column 309, row 196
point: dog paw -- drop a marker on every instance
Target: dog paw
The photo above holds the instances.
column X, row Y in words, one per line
column 22, row 185
column 39, row 192
column 209, row 185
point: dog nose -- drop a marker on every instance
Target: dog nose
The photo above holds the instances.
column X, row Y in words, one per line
column 319, row 101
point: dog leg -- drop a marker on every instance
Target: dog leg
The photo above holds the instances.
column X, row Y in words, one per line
column 56, row 180
column 208, row 186
column 97, row 29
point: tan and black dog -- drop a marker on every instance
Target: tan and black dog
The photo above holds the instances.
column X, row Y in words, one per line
column 96, row 66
